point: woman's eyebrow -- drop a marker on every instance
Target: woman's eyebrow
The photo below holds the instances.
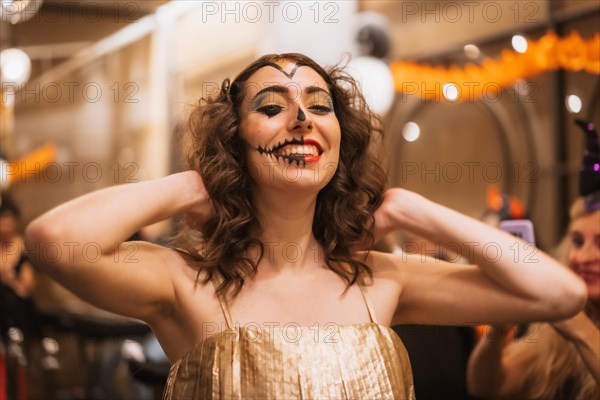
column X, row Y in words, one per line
column 274, row 89
column 285, row 90
column 315, row 89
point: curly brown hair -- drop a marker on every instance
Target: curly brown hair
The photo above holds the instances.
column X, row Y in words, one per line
column 345, row 206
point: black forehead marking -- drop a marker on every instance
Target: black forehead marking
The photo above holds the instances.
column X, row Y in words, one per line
column 280, row 69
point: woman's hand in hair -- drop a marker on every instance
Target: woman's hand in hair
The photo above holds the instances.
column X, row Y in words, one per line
column 396, row 205
column 200, row 208
column 385, row 217
column 389, row 215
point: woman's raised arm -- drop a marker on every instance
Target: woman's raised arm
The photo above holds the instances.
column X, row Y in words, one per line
column 82, row 244
column 511, row 282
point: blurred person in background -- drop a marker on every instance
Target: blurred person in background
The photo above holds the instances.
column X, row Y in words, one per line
column 559, row 359
column 20, row 324
column 17, row 275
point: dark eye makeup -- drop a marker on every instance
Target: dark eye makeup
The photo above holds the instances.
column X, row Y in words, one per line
column 270, row 110
column 320, row 108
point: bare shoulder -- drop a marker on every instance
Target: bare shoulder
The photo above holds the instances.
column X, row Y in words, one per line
column 182, row 268
column 167, row 265
column 385, row 288
column 189, row 304
column 194, row 297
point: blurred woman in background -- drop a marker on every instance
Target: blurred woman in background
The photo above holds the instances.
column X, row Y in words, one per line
column 560, row 359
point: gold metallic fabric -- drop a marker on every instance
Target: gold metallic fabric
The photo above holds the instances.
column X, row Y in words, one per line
column 359, row 361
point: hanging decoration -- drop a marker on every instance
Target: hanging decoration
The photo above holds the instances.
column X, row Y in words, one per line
column 488, row 79
column 28, row 167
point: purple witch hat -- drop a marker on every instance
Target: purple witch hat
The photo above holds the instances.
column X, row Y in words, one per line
column 589, row 176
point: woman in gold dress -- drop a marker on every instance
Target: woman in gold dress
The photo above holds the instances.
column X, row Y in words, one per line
column 266, row 296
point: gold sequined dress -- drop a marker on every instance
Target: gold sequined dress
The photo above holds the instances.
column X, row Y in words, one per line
column 358, row 361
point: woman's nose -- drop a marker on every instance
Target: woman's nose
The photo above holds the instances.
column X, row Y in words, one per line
column 301, row 120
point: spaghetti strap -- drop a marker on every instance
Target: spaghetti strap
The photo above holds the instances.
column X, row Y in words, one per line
column 367, row 301
column 223, row 303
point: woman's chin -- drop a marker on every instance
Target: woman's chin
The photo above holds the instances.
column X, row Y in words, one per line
column 294, row 177
column 303, row 184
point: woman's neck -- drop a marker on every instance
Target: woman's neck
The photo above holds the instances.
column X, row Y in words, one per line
column 286, row 221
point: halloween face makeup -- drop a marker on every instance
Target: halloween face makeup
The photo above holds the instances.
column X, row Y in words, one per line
column 584, row 255
column 299, row 151
column 289, row 125
column 275, row 99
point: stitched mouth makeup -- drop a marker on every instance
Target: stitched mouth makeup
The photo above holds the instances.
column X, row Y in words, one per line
column 300, row 151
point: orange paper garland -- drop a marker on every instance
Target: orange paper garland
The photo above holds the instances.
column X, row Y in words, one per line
column 548, row 53
column 29, row 166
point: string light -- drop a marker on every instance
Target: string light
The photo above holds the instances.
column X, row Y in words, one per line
column 15, row 65
column 450, row 91
column 519, row 43
column 411, row 131
column 472, row 51
column 573, row 103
